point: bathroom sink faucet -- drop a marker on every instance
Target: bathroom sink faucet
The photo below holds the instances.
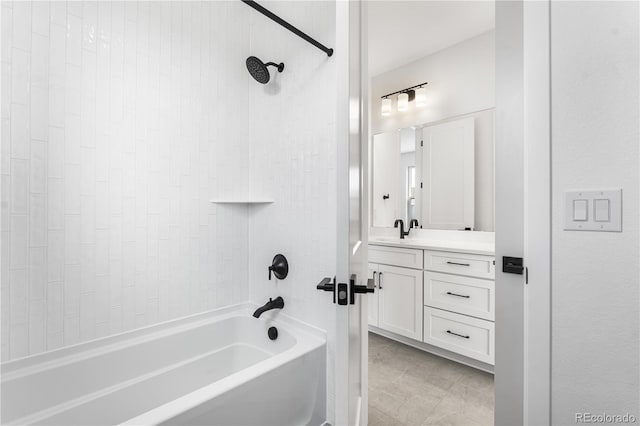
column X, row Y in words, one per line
column 402, row 231
column 414, row 224
column 277, row 303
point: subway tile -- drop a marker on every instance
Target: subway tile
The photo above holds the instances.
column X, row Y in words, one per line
column 89, row 25
column 72, row 235
column 55, row 255
column 71, row 290
column 40, row 18
column 56, row 105
column 56, row 152
column 20, row 131
column 6, row 41
column 55, row 204
column 39, row 113
column 19, row 196
column 19, row 296
column 55, row 307
column 37, row 326
column 6, row 82
column 38, row 167
column 57, row 55
column 72, row 189
column 22, row 25
column 19, row 246
column 74, row 37
column 37, row 220
column 73, row 89
column 87, row 171
column 71, row 333
column 20, row 72
column 37, row 273
column 18, row 340
column 87, row 316
column 40, row 59
column 58, row 13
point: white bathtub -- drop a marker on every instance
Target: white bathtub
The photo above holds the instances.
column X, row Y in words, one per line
column 217, row 368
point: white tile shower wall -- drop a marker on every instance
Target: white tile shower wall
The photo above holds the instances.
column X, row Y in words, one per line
column 293, row 151
column 120, row 121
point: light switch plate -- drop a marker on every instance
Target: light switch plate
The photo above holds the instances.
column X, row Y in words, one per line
column 572, row 218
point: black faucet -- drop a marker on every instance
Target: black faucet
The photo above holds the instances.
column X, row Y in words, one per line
column 402, row 232
column 277, row 303
column 414, row 224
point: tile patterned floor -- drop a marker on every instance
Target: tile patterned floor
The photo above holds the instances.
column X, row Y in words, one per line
column 411, row 387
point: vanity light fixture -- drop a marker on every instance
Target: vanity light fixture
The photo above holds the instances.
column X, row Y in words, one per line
column 421, row 97
column 385, row 109
column 417, row 92
column 403, row 101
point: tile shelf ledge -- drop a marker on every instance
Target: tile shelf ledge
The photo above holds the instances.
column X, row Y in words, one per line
column 242, row 201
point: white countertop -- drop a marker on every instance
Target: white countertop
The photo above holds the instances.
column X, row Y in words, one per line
column 486, row 247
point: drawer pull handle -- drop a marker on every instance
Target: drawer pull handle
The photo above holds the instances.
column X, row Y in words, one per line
column 380, row 280
column 374, row 278
column 456, row 334
column 458, row 264
column 458, row 295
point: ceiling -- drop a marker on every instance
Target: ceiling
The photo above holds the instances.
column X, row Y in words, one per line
column 404, row 31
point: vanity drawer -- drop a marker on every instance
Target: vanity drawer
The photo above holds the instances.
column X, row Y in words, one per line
column 464, row 295
column 408, row 258
column 472, row 265
column 471, row 337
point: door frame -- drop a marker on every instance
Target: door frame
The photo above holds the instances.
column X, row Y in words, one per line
column 523, row 377
column 523, row 381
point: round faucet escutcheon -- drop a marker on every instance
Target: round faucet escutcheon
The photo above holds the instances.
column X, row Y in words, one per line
column 279, row 267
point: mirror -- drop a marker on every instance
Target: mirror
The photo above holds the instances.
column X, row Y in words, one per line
column 438, row 173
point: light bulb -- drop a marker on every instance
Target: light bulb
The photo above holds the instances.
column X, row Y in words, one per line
column 403, row 102
column 385, row 109
column 421, row 97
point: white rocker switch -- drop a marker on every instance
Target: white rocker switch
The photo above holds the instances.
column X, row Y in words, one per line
column 593, row 210
column 601, row 210
column 580, row 210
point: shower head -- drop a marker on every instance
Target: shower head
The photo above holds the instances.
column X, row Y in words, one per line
column 259, row 70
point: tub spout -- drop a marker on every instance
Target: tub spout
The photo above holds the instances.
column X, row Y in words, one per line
column 277, row 303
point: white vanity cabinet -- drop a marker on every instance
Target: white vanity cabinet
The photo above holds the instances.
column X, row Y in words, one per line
column 442, row 298
column 396, row 305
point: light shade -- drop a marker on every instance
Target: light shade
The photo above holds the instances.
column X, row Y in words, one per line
column 421, row 97
column 403, row 102
column 385, row 109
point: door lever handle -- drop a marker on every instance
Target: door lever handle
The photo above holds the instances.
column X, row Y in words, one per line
column 327, row 284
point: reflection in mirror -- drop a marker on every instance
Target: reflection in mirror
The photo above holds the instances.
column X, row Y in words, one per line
column 394, row 177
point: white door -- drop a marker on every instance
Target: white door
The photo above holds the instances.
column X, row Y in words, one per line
column 351, row 341
column 400, row 301
column 373, row 298
column 448, row 200
column 386, row 169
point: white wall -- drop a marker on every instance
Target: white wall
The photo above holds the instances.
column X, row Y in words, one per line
column 120, row 120
column 595, row 275
column 293, row 160
column 461, row 82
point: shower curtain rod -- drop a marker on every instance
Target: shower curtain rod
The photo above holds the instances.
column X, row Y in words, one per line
column 266, row 12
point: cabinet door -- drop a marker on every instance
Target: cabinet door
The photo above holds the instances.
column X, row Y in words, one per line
column 373, row 297
column 400, row 301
